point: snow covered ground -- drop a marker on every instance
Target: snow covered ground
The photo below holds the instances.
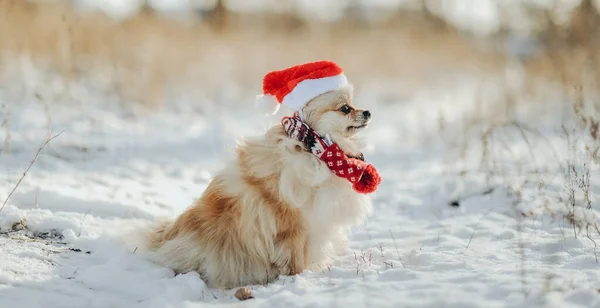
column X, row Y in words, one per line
column 114, row 168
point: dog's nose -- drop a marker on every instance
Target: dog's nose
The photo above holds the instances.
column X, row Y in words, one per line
column 366, row 114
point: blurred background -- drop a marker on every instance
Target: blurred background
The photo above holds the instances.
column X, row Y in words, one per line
column 513, row 59
column 146, row 50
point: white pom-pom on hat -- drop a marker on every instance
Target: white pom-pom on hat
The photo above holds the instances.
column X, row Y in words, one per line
column 267, row 104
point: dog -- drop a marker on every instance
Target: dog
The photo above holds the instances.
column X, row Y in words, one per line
column 274, row 209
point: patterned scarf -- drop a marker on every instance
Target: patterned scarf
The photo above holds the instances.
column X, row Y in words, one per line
column 363, row 176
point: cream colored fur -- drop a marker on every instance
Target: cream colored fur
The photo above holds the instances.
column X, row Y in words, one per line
column 275, row 209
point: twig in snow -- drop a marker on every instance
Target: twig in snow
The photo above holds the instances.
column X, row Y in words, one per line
column 569, row 185
column 81, row 225
column 519, row 221
column 595, row 245
column 397, row 250
column 47, row 140
column 477, row 225
column 456, row 202
column 322, row 270
column 37, row 193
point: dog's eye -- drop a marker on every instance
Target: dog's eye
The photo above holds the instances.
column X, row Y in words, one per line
column 345, row 109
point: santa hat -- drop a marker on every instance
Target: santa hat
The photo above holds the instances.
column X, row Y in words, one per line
column 297, row 85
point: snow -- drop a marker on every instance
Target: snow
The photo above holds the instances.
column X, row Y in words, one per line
column 115, row 168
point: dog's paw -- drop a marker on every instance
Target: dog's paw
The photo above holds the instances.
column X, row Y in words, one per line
column 243, row 294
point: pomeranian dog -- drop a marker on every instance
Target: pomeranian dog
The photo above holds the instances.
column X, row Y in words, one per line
column 275, row 209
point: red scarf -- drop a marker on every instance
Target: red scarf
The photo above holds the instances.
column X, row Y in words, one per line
column 363, row 176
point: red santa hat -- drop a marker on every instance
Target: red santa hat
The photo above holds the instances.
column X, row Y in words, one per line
column 297, row 85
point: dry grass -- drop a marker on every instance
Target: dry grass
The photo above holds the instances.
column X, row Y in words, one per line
column 570, row 51
column 47, row 140
column 147, row 53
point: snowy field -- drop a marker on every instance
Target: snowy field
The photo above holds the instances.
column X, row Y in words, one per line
column 508, row 243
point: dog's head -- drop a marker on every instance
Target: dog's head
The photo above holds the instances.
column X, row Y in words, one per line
column 335, row 114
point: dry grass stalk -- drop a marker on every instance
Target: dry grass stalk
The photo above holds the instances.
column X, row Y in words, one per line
column 47, row 140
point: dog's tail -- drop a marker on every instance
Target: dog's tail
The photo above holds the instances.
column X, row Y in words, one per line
column 147, row 238
column 156, row 234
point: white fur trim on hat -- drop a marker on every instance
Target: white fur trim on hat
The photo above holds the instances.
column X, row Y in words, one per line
column 268, row 104
column 308, row 89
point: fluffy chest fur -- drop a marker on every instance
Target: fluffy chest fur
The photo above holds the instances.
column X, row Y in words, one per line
column 277, row 168
column 274, row 210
